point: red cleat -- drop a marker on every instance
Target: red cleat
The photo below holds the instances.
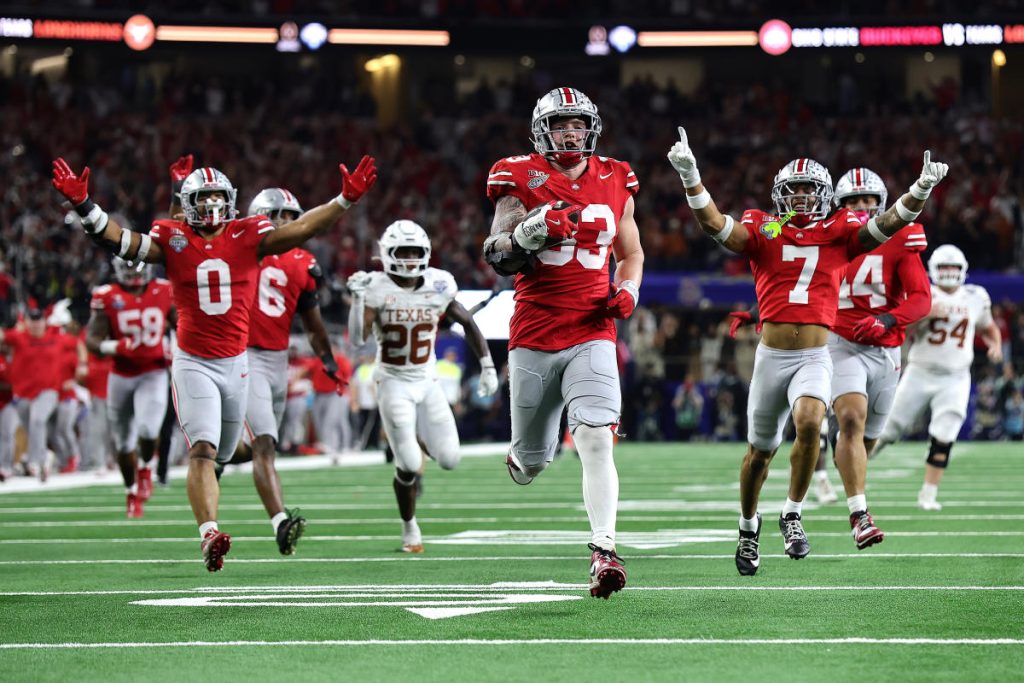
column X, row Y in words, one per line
column 607, row 575
column 134, row 506
column 864, row 531
column 215, row 546
column 144, row 478
column 71, row 465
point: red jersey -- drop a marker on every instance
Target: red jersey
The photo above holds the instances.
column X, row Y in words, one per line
column 562, row 302
column 891, row 279
column 322, row 384
column 283, row 278
column 68, row 364
column 139, row 318
column 6, row 395
column 36, row 362
column 796, row 275
column 99, row 371
column 214, row 282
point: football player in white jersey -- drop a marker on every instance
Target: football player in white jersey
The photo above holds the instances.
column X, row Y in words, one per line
column 402, row 306
column 938, row 373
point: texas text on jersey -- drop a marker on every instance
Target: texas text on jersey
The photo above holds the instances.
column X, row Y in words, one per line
column 139, row 318
column 284, row 280
column 879, row 282
column 562, row 302
column 406, row 323
column 944, row 342
column 796, row 275
column 214, row 283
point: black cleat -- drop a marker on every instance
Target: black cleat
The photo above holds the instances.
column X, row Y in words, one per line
column 289, row 531
column 793, row 534
column 747, row 557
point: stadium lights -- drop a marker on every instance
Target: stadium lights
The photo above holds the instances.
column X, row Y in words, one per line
column 999, row 58
column 408, row 38
column 382, row 63
column 216, row 34
column 696, row 38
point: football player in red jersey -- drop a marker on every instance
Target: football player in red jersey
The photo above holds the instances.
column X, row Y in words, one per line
column 288, row 284
column 212, row 261
column 880, row 294
column 797, row 259
column 560, row 213
column 129, row 322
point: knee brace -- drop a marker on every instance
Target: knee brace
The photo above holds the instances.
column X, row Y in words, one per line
column 405, row 478
column 939, row 453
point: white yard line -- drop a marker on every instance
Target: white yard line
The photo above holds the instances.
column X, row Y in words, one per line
column 518, row 642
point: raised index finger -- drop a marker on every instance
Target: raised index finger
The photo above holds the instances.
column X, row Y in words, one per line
column 927, row 157
column 682, row 136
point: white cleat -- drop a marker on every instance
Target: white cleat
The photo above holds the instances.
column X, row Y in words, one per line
column 824, row 491
column 926, row 502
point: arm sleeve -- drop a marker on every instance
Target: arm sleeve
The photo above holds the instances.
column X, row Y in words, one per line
column 917, row 290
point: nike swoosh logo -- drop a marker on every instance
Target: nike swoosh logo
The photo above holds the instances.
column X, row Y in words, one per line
column 238, row 234
column 607, row 175
column 553, row 222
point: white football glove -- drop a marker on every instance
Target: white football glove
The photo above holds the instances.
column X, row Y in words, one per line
column 932, row 173
column 358, row 282
column 488, row 378
column 682, row 159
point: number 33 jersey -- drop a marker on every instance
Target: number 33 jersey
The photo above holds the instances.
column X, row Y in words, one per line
column 214, row 283
column 797, row 274
column 406, row 322
column 944, row 341
column 562, row 303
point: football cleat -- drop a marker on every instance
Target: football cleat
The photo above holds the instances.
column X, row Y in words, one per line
column 927, row 502
column 607, row 575
column 412, row 539
column 414, row 548
column 215, row 546
column 134, row 506
column 514, row 471
column 824, row 491
column 793, row 534
column 748, row 559
column 864, row 531
column 145, row 482
column 71, row 465
column 289, row 531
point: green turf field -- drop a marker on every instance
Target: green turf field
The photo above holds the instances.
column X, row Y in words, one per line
column 500, row 593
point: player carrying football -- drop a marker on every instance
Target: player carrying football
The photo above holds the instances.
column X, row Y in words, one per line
column 797, row 259
column 938, row 374
column 212, row 260
column 880, row 294
column 402, row 306
column 129, row 322
column 560, row 214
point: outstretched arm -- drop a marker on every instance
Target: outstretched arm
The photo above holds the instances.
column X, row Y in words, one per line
column 903, row 212
column 477, row 342
column 317, row 220
column 101, row 229
column 179, row 170
column 723, row 228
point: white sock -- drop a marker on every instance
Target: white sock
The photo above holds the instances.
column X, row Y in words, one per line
column 205, row 527
column 411, row 532
column 276, row 520
column 748, row 524
column 857, row 503
column 134, row 489
column 792, row 506
column 600, row 481
column 143, row 466
column 821, row 475
column 930, row 490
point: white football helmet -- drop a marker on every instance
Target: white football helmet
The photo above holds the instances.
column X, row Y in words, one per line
column 946, row 255
column 564, row 102
column 814, row 206
column 404, row 233
column 132, row 276
column 272, row 202
column 860, row 181
column 203, row 181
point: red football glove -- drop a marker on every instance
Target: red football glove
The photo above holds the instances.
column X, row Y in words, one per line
column 563, row 220
column 331, row 370
column 74, row 188
column 741, row 318
column 181, row 168
column 355, row 184
column 622, row 299
column 871, row 329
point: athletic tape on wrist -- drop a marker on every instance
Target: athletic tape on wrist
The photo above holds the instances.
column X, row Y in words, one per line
column 487, row 362
column 698, row 201
column 904, row 213
column 630, row 287
column 342, row 202
column 94, row 219
column 724, row 233
column 145, row 242
column 108, row 347
column 126, row 243
column 690, row 178
column 919, row 192
column 876, row 232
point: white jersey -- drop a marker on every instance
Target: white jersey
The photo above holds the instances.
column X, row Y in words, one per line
column 944, row 341
column 406, row 322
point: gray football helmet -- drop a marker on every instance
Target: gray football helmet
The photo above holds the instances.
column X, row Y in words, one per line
column 860, row 181
column 814, row 206
column 559, row 103
column 273, row 202
column 203, row 181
